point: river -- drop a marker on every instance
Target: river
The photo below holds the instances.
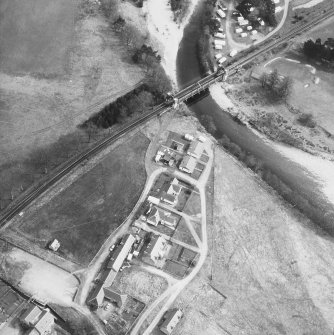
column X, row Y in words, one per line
column 293, row 174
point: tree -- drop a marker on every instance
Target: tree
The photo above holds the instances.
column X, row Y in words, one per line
column 279, row 89
column 119, row 24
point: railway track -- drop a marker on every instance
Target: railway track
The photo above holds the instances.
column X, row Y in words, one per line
column 182, row 95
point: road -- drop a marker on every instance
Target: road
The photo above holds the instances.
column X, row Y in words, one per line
column 172, row 292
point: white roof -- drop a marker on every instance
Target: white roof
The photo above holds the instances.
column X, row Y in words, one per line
column 218, row 56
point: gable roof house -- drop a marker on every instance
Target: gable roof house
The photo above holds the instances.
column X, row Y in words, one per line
column 41, row 321
column 195, row 149
column 173, row 317
column 157, row 215
column 115, row 297
column 156, row 248
column 188, row 164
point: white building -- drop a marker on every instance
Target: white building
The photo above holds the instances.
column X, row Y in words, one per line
column 238, row 30
column 54, row 245
column 157, row 248
column 218, row 56
column 188, row 164
column 221, row 13
column 243, row 34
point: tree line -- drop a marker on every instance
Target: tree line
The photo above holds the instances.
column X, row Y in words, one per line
column 320, row 51
column 265, row 10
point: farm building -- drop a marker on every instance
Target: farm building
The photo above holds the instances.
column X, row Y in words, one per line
column 157, row 248
column 172, row 318
column 188, row 164
column 121, row 252
column 195, row 149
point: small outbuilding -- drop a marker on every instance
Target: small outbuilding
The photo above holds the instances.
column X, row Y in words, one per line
column 172, row 318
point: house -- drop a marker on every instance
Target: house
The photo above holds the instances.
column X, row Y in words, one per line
column 156, row 248
column 121, row 252
column 195, row 149
column 41, row 321
column 96, row 297
column 249, row 28
column 158, row 215
column 153, row 200
column 188, row 164
column 54, row 245
column 169, row 198
column 115, row 297
column 45, row 323
column 174, row 188
column 221, row 30
column 218, row 56
column 31, row 316
column 238, row 30
column 172, row 318
column 254, row 32
column 276, row 2
column 243, row 34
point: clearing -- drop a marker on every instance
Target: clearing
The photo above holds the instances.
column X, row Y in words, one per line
column 269, row 271
column 84, row 214
column 37, row 278
column 140, row 284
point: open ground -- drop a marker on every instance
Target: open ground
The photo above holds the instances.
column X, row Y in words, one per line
column 83, row 215
column 268, row 270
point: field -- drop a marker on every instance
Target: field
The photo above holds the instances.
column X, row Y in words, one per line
column 272, row 271
column 83, row 215
column 60, row 62
column 27, row 35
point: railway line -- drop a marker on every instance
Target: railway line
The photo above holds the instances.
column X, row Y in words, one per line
column 181, row 96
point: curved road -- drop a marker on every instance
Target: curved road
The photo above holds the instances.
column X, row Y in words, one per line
column 172, row 292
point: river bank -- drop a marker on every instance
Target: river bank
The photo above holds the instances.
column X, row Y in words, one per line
column 165, row 33
column 292, row 180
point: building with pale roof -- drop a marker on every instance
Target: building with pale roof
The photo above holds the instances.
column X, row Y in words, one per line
column 188, row 164
column 157, row 248
column 195, row 149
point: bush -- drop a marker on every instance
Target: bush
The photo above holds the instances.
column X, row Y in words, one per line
column 278, row 89
column 317, row 50
column 306, row 120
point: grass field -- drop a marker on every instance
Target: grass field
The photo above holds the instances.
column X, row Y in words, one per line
column 83, row 215
column 35, row 35
column 183, row 234
column 272, row 272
